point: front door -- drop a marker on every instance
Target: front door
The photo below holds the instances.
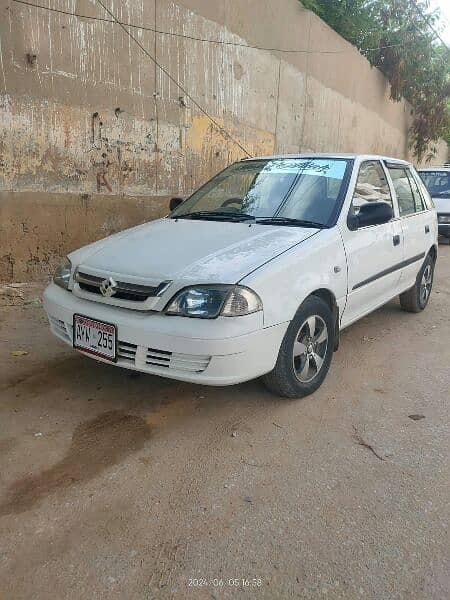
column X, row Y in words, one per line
column 374, row 253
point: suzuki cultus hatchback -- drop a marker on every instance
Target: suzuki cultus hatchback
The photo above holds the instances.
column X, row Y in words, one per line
column 256, row 273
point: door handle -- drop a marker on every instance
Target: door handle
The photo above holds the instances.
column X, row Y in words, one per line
column 427, row 229
column 396, row 240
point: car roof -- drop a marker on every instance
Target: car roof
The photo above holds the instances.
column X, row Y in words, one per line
column 331, row 155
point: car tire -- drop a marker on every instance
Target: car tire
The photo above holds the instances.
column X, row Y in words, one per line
column 305, row 353
column 416, row 298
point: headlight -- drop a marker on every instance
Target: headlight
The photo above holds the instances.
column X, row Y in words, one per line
column 210, row 301
column 444, row 218
column 63, row 273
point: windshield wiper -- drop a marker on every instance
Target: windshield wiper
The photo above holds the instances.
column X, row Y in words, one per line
column 290, row 221
column 216, row 215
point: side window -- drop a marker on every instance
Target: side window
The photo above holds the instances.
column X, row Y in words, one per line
column 418, row 200
column 408, row 202
column 371, row 185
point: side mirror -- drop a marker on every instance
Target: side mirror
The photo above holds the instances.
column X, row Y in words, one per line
column 371, row 213
column 174, row 202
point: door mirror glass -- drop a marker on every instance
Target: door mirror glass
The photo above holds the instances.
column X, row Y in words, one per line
column 372, row 213
column 174, row 202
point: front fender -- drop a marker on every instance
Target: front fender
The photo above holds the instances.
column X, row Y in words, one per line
column 318, row 263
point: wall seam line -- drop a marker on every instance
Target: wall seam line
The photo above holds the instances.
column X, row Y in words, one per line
column 155, row 70
column 276, row 114
column 306, row 84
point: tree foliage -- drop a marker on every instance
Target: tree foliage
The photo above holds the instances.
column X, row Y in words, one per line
column 399, row 37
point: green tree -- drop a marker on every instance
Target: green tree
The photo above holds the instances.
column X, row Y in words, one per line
column 399, row 37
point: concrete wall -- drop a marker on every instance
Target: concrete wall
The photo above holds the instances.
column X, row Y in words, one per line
column 95, row 138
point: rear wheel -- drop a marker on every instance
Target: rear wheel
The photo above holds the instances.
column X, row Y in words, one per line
column 416, row 298
column 305, row 353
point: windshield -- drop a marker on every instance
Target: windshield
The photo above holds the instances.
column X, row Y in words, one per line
column 305, row 189
column 437, row 183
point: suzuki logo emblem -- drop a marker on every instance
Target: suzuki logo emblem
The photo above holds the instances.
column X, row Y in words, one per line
column 108, row 287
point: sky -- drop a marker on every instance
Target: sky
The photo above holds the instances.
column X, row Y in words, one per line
column 444, row 6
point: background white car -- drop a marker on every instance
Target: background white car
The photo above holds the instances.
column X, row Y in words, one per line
column 437, row 182
column 255, row 274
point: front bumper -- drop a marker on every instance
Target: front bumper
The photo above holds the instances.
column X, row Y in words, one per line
column 221, row 351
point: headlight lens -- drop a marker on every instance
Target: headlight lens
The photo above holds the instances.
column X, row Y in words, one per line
column 241, row 301
column 444, row 218
column 63, row 273
column 208, row 302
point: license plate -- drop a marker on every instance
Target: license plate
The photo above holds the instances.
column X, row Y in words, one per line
column 94, row 337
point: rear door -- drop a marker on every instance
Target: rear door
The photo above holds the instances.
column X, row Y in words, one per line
column 374, row 253
column 417, row 221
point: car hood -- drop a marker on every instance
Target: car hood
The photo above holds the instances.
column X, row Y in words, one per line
column 200, row 251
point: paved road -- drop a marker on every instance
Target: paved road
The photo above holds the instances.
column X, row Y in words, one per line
column 114, row 486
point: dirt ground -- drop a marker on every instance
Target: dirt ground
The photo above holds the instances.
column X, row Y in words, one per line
column 121, row 486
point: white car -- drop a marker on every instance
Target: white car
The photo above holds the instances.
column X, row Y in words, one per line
column 437, row 182
column 254, row 274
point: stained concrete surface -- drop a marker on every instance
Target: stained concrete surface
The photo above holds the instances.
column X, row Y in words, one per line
column 117, row 486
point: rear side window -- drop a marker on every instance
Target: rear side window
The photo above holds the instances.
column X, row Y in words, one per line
column 371, row 185
column 418, row 200
column 407, row 191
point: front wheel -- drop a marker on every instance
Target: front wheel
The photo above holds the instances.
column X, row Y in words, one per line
column 416, row 298
column 305, row 353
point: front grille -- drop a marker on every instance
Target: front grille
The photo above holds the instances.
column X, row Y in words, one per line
column 146, row 358
column 124, row 291
column 126, row 351
column 159, row 358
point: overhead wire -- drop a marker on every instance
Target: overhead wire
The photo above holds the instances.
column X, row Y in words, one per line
column 126, row 26
column 224, row 132
column 197, row 39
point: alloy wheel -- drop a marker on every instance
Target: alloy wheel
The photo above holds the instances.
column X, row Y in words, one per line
column 310, row 348
column 425, row 284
